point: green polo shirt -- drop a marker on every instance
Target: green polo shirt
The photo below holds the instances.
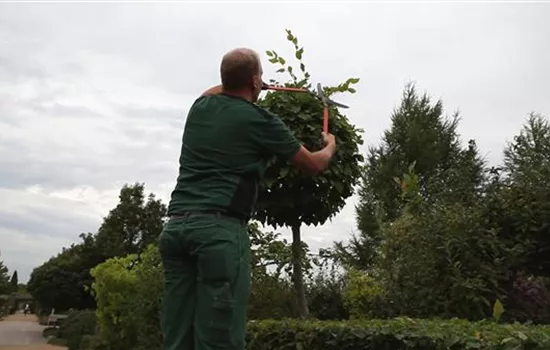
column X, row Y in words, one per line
column 225, row 147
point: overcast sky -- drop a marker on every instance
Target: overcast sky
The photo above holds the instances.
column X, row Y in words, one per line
column 93, row 96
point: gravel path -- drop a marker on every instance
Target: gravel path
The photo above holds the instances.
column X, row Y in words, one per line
column 22, row 332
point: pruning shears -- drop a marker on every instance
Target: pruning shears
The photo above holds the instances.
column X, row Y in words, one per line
column 320, row 95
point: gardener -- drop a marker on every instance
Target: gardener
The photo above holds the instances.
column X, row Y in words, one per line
column 205, row 247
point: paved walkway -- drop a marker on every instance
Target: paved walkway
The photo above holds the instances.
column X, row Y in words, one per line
column 22, row 332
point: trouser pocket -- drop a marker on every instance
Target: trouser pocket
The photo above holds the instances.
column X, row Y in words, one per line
column 219, row 317
column 222, row 318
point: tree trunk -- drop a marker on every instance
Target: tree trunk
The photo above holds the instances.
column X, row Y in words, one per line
column 297, row 276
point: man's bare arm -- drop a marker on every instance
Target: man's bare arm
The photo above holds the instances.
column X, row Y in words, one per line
column 215, row 90
column 314, row 163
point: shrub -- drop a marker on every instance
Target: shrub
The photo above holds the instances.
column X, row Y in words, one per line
column 77, row 325
column 128, row 292
column 270, row 297
column 529, row 300
column 364, row 297
column 400, row 333
column 442, row 262
column 325, row 297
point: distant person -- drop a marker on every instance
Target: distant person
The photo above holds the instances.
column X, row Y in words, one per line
column 27, row 309
column 205, row 248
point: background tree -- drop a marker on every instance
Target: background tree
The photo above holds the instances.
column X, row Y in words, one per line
column 64, row 281
column 133, row 224
column 517, row 204
column 526, row 196
column 290, row 198
column 271, row 294
column 14, row 282
column 447, row 172
column 4, row 279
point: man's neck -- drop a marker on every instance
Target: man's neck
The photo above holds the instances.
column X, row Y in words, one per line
column 245, row 95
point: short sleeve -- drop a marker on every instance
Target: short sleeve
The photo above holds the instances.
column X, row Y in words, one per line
column 273, row 136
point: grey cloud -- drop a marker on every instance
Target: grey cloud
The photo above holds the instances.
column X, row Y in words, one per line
column 46, row 106
column 173, row 117
column 35, row 227
column 47, row 222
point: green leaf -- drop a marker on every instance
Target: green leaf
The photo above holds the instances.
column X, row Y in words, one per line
column 498, row 309
column 280, row 70
column 352, row 90
column 299, row 53
column 282, row 60
column 302, row 67
column 273, row 60
column 269, row 53
column 521, row 335
column 284, row 172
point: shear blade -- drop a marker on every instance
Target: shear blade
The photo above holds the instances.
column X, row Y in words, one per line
column 320, row 92
column 326, row 100
column 337, row 104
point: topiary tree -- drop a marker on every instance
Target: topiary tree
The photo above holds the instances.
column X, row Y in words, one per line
column 287, row 196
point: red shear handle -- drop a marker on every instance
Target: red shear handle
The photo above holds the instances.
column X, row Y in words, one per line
column 282, row 88
column 325, row 119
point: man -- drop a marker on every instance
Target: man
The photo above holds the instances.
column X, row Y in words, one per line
column 205, row 247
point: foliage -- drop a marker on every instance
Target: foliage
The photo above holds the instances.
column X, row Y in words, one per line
column 364, row 296
column 443, row 262
column 3, row 307
column 76, row 326
column 270, row 297
column 133, row 224
column 5, row 287
column 399, row 333
column 434, row 261
column 325, row 295
column 446, row 172
column 498, row 309
column 271, row 293
column 14, row 281
column 523, row 197
column 129, row 322
column 64, row 281
column 529, row 300
column 287, row 196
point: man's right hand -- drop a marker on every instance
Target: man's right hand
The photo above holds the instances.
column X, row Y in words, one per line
column 328, row 139
column 316, row 162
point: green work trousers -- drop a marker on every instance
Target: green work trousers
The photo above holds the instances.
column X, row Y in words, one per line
column 206, row 261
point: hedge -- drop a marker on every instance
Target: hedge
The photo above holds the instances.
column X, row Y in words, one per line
column 395, row 334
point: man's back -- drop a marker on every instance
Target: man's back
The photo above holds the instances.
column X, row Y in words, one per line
column 223, row 155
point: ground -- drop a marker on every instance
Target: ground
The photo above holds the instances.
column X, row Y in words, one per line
column 22, row 332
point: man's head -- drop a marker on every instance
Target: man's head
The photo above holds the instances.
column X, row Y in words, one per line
column 241, row 73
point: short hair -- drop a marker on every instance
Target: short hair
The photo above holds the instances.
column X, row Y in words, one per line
column 238, row 66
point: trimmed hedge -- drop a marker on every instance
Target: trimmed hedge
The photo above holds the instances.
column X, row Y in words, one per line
column 396, row 334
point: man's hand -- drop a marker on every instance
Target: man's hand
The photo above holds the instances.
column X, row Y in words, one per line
column 316, row 162
column 328, row 139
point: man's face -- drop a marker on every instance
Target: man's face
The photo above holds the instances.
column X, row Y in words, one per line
column 258, row 81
